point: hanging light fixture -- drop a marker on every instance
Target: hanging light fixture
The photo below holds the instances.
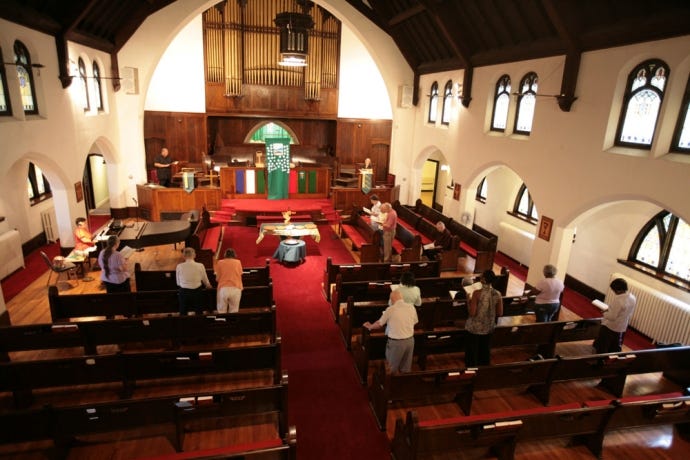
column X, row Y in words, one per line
column 294, row 35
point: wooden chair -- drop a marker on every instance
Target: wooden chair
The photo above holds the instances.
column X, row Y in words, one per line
column 67, row 267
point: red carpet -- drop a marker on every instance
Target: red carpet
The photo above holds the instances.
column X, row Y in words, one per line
column 327, row 404
column 256, row 205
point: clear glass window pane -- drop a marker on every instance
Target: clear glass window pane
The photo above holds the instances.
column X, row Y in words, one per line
column 523, row 205
column 483, row 188
column 526, row 113
column 650, row 249
column 29, row 188
column 447, row 99
column 433, row 103
column 534, row 215
column 684, row 140
column 3, row 100
column 501, row 112
column 84, row 84
column 97, row 86
column 40, row 184
column 678, row 263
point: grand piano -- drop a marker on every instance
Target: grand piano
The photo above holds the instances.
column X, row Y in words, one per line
column 140, row 234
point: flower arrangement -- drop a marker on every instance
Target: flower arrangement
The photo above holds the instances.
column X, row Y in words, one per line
column 286, row 216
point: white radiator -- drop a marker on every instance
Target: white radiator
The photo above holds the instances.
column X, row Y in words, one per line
column 515, row 242
column 49, row 225
column 659, row 316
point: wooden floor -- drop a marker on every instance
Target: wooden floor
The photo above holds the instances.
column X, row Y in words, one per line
column 31, row 306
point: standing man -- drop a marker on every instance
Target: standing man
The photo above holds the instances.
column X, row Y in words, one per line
column 388, row 226
column 229, row 277
column 191, row 278
column 443, row 242
column 162, row 164
column 616, row 318
column 399, row 320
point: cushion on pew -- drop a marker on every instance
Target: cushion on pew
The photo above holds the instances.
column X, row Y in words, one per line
column 351, row 231
column 629, row 399
column 468, row 249
column 211, row 238
column 498, row 415
column 233, row 449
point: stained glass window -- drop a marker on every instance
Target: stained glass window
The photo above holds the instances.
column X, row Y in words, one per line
column 22, row 61
column 663, row 245
column 447, row 99
column 643, row 96
column 433, row 103
column 527, row 100
column 499, row 119
column 269, row 130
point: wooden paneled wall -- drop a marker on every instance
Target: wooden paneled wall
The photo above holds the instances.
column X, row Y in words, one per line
column 184, row 134
column 359, row 139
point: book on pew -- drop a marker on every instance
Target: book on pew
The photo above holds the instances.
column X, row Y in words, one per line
column 600, row 305
column 367, row 210
column 126, row 252
column 429, row 245
column 472, row 287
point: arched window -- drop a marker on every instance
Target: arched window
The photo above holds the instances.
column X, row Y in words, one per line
column 663, row 246
column 433, row 103
column 681, row 136
column 482, row 190
column 22, row 61
column 641, row 103
column 38, row 186
column 97, row 90
column 527, row 99
column 499, row 119
column 5, row 107
column 83, row 80
column 270, row 130
column 524, row 207
column 447, row 99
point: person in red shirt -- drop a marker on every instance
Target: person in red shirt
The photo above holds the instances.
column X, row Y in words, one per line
column 83, row 239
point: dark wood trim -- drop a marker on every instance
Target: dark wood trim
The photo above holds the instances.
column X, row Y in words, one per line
column 5, row 318
column 664, row 278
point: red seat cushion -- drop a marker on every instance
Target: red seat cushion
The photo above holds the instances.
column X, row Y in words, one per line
column 468, row 249
column 211, row 238
column 351, row 232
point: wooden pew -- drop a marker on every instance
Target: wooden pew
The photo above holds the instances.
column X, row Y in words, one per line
column 435, row 287
column 501, row 432
column 387, row 387
column 22, row 377
column 375, row 271
column 364, row 238
column 206, row 239
column 613, row 369
column 159, row 280
column 171, row 416
column 129, row 304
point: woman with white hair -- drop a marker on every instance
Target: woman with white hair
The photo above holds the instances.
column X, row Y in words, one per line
column 548, row 299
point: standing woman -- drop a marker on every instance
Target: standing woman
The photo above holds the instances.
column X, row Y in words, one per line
column 548, row 299
column 485, row 305
column 113, row 265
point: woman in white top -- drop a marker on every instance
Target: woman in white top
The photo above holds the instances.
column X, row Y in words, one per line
column 548, row 299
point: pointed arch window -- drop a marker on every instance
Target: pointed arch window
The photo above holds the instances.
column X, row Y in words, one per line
column 447, row 99
column 482, row 191
column 22, row 61
column 681, row 136
column 662, row 247
column 527, row 100
column 524, row 207
column 83, row 81
column 270, row 130
column 97, row 90
column 641, row 104
column 433, row 102
column 499, row 118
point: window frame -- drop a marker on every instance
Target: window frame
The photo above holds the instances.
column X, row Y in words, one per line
column 33, row 179
column 20, row 50
column 532, row 80
column 531, row 208
column 433, row 103
column 683, row 117
column 447, row 101
column 97, row 86
column 81, row 66
column 650, row 65
column 479, row 196
column 506, row 82
column 665, row 244
column 5, row 88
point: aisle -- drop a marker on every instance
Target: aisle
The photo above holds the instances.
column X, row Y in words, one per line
column 326, row 402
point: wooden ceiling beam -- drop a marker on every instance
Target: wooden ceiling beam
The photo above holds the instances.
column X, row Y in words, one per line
column 571, row 68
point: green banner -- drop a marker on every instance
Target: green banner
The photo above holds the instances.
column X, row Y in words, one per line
column 278, row 167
